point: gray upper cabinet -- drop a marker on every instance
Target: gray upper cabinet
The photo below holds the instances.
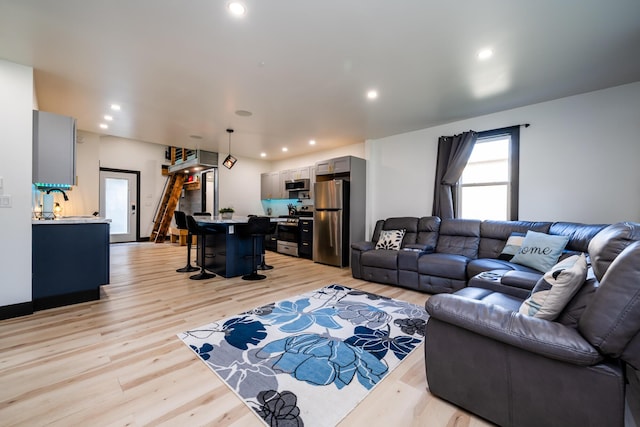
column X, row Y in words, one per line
column 270, row 186
column 54, row 148
column 272, row 183
column 333, row 166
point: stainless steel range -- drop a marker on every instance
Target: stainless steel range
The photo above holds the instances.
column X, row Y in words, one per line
column 288, row 236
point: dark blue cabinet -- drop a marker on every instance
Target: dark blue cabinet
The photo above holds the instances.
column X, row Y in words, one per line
column 69, row 262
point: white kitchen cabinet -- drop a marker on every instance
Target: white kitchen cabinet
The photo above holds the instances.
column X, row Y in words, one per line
column 272, row 183
column 312, row 181
column 54, row 149
column 270, row 186
column 333, row 166
column 293, row 174
column 285, row 176
column 300, row 173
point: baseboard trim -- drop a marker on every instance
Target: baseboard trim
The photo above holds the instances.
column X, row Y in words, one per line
column 16, row 310
column 66, row 299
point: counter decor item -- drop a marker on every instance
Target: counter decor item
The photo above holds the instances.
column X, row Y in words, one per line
column 310, row 359
column 226, row 213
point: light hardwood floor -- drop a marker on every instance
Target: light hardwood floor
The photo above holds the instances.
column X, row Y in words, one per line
column 118, row 361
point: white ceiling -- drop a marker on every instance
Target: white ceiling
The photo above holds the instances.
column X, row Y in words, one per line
column 302, row 67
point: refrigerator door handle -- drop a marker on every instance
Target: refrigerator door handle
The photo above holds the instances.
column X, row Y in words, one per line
column 331, row 228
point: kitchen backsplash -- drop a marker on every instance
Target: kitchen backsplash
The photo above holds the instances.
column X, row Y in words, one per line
column 280, row 206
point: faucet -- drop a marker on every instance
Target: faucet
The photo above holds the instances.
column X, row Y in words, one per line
column 61, row 191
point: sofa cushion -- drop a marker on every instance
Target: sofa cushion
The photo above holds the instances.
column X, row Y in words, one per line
column 390, row 239
column 459, row 236
column 477, row 266
column 381, row 258
column 579, row 234
column 494, row 234
column 611, row 321
column 488, row 296
column 407, row 223
column 608, row 243
column 540, row 251
column 556, row 288
column 428, row 228
column 451, row 266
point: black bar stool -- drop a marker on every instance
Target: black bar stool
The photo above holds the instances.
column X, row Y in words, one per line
column 202, row 232
column 181, row 223
column 263, row 264
column 257, row 227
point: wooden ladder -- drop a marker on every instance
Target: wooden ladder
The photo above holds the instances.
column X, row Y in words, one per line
column 169, row 202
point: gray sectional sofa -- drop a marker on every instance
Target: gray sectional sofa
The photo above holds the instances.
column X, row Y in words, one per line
column 576, row 367
column 442, row 256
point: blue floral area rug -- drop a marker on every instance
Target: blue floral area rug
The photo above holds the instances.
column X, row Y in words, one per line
column 309, row 360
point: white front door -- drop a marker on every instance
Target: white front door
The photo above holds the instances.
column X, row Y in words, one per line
column 118, row 202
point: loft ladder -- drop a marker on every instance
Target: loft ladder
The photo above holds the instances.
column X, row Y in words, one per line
column 167, row 206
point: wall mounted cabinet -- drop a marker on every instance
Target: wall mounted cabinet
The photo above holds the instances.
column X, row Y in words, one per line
column 54, row 148
column 300, row 173
column 334, row 166
column 270, row 187
column 272, row 183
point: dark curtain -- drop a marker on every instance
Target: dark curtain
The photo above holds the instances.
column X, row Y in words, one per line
column 453, row 155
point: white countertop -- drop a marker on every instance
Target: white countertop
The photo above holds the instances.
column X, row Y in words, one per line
column 72, row 220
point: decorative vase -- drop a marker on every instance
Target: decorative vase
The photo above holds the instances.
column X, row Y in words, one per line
column 226, row 215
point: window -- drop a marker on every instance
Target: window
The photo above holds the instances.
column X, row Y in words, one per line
column 488, row 187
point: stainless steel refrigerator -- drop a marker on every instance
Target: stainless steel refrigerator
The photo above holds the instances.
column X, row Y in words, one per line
column 331, row 223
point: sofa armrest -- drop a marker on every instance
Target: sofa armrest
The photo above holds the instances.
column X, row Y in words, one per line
column 520, row 279
column 363, row 246
column 548, row 339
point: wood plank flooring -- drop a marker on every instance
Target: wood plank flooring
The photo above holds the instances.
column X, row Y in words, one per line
column 118, row 362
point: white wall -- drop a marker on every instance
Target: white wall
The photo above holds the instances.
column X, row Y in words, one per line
column 16, row 106
column 84, row 198
column 578, row 163
column 356, row 150
column 147, row 158
column 578, row 160
column 239, row 187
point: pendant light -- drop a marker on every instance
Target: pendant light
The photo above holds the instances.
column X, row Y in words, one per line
column 230, row 160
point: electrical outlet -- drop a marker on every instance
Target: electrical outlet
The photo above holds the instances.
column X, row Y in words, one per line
column 5, row 201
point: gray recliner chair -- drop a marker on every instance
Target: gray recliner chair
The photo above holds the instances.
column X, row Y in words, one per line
column 517, row 370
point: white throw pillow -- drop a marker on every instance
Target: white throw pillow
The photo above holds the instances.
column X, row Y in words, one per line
column 555, row 289
column 390, row 239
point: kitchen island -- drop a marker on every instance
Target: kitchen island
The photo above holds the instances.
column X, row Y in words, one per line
column 70, row 260
column 228, row 250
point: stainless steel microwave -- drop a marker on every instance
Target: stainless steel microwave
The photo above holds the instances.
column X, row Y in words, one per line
column 297, row 185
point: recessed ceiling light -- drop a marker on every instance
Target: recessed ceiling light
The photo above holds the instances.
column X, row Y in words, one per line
column 485, row 54
column 104, row 126
column 115, row 107
column 237, row 8
column 372, row 94
column 312, row 142
column 243, row 113
column 108, row 117
column 263, row 154
column 285, row 149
